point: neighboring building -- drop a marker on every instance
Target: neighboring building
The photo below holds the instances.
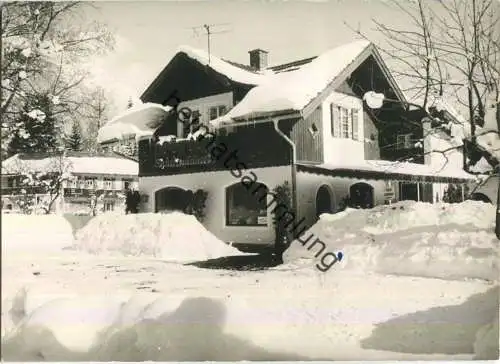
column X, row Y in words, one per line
column 303, row 122
column 481, row 158
column 104, row 176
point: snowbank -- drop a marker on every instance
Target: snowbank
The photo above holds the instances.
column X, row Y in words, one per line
column 451, row 241
column 251, row 324
column 35, row 235
column 174, row 237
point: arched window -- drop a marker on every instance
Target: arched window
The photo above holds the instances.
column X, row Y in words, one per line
column 246, row 207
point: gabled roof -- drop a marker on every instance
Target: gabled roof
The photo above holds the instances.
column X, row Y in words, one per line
column 74, row 162
column 292, row 88
column 299, row 87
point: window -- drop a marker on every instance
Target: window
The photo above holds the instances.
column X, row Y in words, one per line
column 217, row 111
column 108, row 183
column 344, row 116
column 403, row 141
column 244, row 208
column 89, row 183
column 344, row 122
column 213, row 113
column 313, row 130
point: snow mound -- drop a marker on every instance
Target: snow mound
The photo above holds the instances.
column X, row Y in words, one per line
column 449, row 241
column 35, row 235
column 173, row 236
column 135, row 328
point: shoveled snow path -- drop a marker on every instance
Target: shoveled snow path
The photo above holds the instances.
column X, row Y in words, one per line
column 304, row 313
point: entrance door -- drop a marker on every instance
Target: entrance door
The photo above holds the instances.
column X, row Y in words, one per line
column 361, row 195
column 409, row 192
column 323, row 201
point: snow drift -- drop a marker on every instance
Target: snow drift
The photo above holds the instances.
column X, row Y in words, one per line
column 254, row 325
column 450, row 241
column 173, row 236
column 135, row 328
column 35, row 235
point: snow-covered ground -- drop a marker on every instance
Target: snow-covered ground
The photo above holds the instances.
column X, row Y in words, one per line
column 84, row 303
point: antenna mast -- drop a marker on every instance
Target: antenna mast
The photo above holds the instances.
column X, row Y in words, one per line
column 207, row 28
column 210, row 32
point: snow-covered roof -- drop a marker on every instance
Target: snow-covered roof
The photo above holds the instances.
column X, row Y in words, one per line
column 293, row 90
column 487, row 137
column 391, row 167
column 103, row 165
column 231, row 71
column 137, row 121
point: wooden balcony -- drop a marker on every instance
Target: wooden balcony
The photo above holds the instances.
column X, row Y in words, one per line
column 255, row 147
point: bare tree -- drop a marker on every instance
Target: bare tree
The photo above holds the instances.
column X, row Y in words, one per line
column 94, row 113
column 451, row 51
column 44, row 45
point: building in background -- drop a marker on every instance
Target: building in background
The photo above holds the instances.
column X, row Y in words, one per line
column 95, row 182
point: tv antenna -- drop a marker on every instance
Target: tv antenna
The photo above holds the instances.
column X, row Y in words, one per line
column 208, row 28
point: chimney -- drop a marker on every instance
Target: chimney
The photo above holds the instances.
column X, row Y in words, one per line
column 258, row 59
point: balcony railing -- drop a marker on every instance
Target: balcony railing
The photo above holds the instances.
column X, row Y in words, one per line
column 13, row 191
column 254, row 147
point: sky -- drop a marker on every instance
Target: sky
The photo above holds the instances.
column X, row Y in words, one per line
column 148, row 33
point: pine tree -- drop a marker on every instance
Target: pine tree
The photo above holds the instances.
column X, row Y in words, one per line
column 74, row 141
column 36, row 128
column 130, row 103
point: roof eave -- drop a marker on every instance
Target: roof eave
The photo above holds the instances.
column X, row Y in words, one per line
column 267, row 115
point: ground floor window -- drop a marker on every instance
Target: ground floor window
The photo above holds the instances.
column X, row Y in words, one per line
column 244, row 208
column 109, row 206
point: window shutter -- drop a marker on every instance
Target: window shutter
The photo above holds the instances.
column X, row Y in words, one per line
column 335, row 120
column 355, row 124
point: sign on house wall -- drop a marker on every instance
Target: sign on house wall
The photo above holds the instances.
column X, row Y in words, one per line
column 389, row 192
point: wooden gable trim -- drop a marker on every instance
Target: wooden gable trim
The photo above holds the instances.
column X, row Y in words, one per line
column 337, row 81
column 370, row 50
column 388, row 75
